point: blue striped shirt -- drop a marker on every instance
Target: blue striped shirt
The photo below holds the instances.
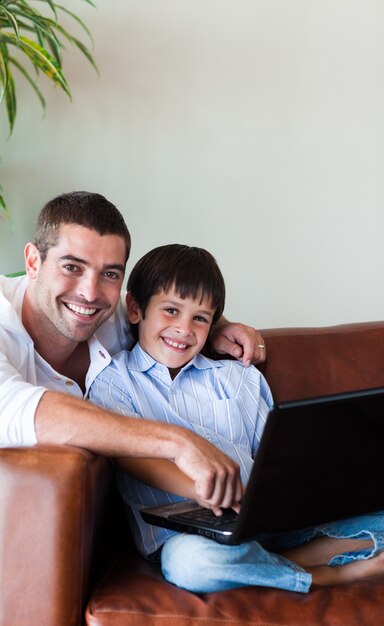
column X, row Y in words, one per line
column 222, row 401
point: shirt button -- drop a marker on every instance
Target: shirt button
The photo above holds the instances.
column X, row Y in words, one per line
column 69, row 383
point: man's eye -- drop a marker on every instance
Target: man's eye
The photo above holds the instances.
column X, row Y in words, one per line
column 112, row 275
column 70, row 268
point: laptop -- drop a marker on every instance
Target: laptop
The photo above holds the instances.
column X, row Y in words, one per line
column 319, row 460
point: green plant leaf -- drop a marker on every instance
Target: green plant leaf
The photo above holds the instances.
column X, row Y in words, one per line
column 30, row 80
column 10, row 18
column 3, row 76
column 79, row 45
column 42, row 27
column 90, row 2
column 78, row 20
column 39, row 57
column 40, row 39
column 53, row 7
column 10, row 100
column 4, row 208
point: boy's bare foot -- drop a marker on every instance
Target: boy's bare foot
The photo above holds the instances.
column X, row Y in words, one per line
column 365, row 569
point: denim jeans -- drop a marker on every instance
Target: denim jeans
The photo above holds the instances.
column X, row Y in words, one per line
column 201, row 565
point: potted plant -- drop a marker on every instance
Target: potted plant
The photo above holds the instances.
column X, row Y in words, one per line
column 32, row 39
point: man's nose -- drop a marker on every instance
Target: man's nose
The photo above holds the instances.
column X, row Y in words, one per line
column 89, row 287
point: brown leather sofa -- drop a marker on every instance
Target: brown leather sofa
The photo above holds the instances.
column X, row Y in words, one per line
column 65, row 554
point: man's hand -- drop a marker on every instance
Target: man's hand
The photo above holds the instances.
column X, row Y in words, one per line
column 242, row 342
column 216, row 509
column 216, row 477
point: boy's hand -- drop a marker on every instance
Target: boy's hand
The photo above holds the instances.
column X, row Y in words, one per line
column 240, row 341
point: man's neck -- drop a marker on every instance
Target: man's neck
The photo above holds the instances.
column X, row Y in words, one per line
column 66, row 357
column 77, row 364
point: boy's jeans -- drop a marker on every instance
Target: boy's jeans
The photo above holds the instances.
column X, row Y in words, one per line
column 202, row 565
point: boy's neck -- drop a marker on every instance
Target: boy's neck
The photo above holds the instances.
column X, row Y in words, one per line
column 173, row 371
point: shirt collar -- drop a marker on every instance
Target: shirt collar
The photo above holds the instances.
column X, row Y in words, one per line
column 99, row 359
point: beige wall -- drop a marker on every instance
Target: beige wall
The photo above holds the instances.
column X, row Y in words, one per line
column 251, row 127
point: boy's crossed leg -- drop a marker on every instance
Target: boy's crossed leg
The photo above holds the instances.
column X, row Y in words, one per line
column 314, row 557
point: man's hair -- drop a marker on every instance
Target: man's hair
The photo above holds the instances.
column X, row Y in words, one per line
column 192, row 272
column 82, row 208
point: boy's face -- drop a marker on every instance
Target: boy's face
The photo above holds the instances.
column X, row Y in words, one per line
column 174, row 329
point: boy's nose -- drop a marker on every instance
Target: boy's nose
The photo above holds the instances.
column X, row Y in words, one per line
column 183, row 327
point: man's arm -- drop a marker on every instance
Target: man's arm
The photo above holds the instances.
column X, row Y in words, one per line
column 62, row 419
column 162, row 474
column 240, row 341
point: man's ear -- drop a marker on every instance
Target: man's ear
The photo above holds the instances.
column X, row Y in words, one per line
column 133, row 309
column 32, row 260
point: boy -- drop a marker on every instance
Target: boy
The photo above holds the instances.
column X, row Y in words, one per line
column 175, row 294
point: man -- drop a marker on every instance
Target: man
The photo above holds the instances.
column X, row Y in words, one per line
column 59, row 326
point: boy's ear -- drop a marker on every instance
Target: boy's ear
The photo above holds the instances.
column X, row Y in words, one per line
column 133, row 309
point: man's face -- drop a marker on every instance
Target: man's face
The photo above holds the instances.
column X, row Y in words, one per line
column 77, row 287
column 174, row 329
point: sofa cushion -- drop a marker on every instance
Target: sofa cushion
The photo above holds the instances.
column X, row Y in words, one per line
column 133, row 593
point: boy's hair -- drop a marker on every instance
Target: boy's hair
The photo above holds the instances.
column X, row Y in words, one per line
column 193, row 272
column 83, row 208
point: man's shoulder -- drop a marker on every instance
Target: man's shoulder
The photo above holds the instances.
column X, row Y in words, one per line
column 12, row 292
column 12, row 287
column 16, row 345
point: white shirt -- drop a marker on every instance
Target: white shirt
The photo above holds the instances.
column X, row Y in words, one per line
column 25, row 375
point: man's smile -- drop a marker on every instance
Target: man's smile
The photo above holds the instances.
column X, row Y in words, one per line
column 81, row 310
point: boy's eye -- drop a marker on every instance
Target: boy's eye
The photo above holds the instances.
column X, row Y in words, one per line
column 200, row 318
column 171, row 311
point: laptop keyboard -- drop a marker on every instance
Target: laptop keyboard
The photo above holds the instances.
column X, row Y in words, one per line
column 206, row 517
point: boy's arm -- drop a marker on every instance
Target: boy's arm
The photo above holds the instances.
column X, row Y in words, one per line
column 164, row 475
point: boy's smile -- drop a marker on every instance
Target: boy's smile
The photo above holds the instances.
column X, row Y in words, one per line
column 174, row 329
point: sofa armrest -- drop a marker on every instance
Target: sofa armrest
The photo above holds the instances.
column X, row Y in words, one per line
column 51, row 498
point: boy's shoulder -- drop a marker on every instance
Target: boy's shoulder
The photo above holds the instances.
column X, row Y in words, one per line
column 228, row 365
column 237, row 379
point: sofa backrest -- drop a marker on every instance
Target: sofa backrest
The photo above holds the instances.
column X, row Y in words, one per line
column 308, row 362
